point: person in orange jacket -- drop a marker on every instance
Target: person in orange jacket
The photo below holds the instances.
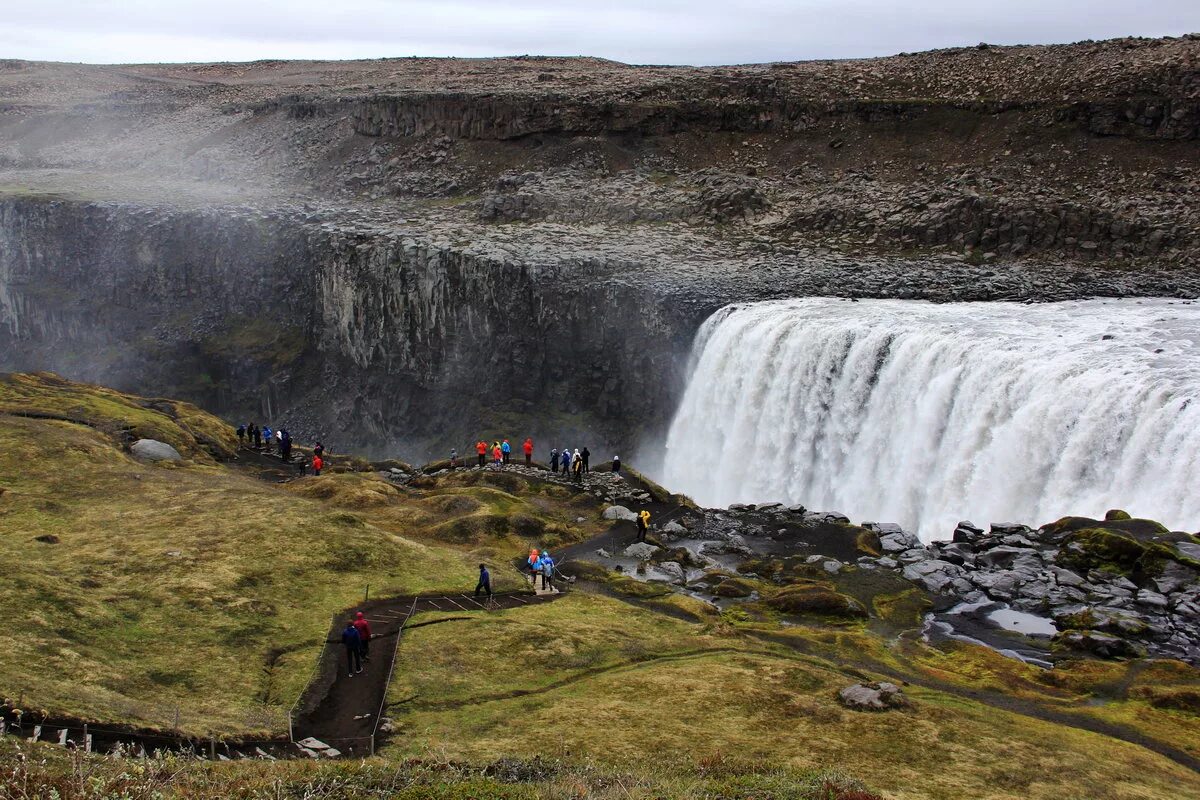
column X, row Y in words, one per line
column 528, row 447
column 498, row 456
column 533, row 561
column 481, row 449
column 317, row 463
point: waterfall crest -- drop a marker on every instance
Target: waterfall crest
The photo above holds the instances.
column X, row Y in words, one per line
column 923, row 414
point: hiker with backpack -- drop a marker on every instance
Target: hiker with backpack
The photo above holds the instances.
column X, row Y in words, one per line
column 546, row 564
column 364, row 635
column 506, row 449
column 643, row 524
column 353, row 644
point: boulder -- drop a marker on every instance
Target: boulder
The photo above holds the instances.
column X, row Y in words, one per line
column 674, row 529
column 832, row 566
column 1101, row 644
column 897, row 541
column 872, row 697
column 1150, row 599
column 674, row 572
column 1009, row 528
column 642, row 551
column 1174, row 577
column 933, row 574
column 154, row 450
column 620, row 513
column 826, row 517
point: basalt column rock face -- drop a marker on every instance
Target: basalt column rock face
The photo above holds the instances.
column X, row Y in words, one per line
column 380, row 339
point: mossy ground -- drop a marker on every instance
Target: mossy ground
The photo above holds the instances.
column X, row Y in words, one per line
column 176, row 586
column 195, row 591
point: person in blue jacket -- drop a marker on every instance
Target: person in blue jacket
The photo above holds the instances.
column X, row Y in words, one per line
column 506, row 448
column 485, row 581
column 353, row 643
column 546, row 565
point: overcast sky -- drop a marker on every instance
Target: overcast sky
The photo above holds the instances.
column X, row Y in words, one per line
column 637, row 31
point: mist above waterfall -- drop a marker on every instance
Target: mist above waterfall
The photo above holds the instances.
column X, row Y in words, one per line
column 923, row 414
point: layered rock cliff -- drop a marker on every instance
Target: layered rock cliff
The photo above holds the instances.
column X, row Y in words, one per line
column 403, row 254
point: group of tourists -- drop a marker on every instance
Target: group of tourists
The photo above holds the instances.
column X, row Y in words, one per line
column 356, row 637
column 541, row 564
column 574, row 463
column 250, row 435
column 500, row 451
column 266, row 440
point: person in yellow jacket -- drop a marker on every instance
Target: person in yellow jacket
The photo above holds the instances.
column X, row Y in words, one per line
column 643, row 523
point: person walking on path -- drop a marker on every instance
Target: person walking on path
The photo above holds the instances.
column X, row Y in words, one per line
column 364, row 634
column 481, row 449
column 586, row 454
column 616, row 468
column 267, row 437
column 506, row 449
column 554, row 460
column 643, row 523
column 485, row 581
column 528, row 448
column 533, row 562
column 547, row 568
column 257, row 435
column 577, row 466
column 353, row 643
column 241, row 432
column 285, row 445
column 317, row 463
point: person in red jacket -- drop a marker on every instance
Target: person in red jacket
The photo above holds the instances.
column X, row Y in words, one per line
column 317, row 463
column 529, row 451
column 481, row 449
column 498, row 456
column 364, row 634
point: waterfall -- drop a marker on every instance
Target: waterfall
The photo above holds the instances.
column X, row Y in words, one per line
column 923, row 414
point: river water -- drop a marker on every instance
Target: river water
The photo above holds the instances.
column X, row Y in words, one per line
column 926, row 414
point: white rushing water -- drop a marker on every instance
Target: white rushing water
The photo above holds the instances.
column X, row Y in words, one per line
column 923, row 414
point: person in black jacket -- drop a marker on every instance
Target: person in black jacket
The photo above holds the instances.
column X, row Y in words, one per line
column 585, row 454
column 353, row 643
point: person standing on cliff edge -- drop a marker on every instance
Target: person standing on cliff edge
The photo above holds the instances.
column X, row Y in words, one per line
column 481, row 449
column 528, row 447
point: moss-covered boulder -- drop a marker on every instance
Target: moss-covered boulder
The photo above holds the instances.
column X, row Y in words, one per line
column 817, row 598
column 1116, row 552
column 1096, row 643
